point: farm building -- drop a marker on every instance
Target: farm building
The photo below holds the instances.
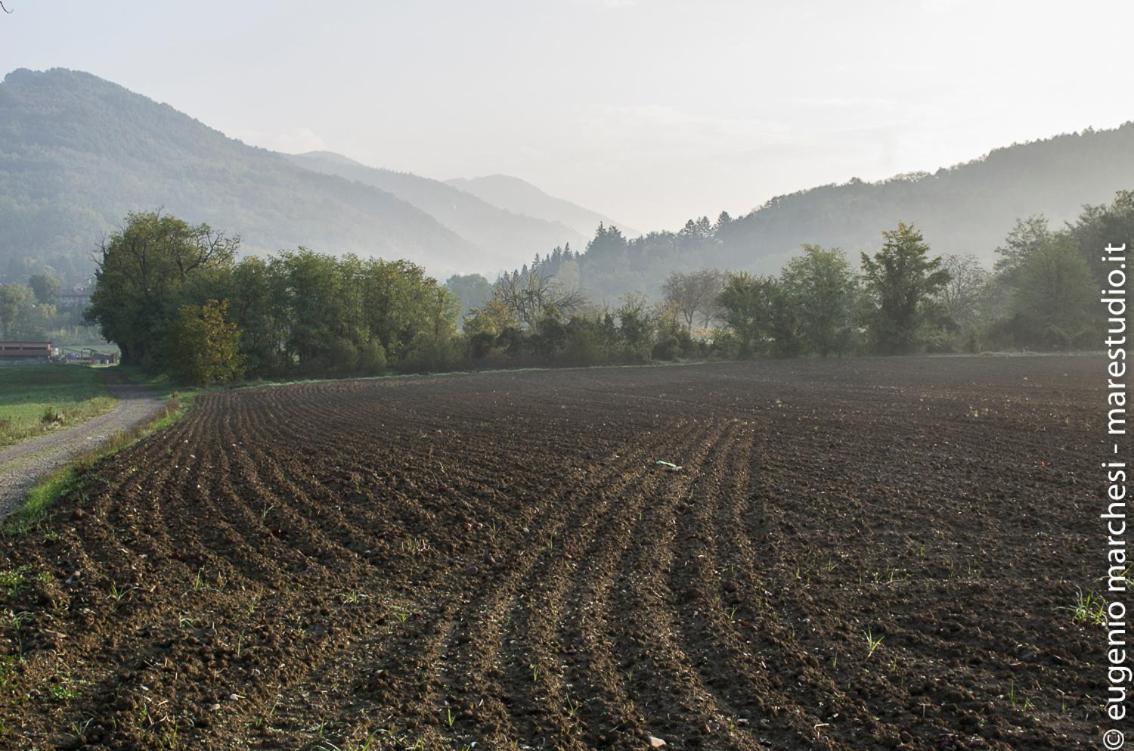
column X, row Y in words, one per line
column 13, row 350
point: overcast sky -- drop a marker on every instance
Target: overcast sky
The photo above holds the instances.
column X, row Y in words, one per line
column 649, row 111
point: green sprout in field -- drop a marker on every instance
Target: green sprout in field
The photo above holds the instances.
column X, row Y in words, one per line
column 872, row 643
column 1018, row 703
column 62, row 691
column 13, row 580
column 1089, row 608
column 117, row 593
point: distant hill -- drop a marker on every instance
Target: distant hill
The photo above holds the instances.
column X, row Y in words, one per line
column 968, row 208
column 522, row 197
column 502, row 235
column 78, row 152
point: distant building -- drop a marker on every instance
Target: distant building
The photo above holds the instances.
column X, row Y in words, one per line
column 27, row 351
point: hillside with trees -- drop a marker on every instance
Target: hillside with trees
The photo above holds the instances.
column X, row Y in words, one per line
column 962, row 210
column 77, row 153
column 501, row 235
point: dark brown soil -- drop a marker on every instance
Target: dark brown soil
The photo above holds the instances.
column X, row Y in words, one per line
column 499, row 558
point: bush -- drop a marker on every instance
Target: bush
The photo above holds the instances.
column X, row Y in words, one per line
column 372, row 358
column 673, row 341
column 51, row 416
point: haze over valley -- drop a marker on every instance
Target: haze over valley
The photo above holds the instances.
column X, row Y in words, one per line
column 79, row 152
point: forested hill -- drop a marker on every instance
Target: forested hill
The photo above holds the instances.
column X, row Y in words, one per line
column 503, row 234
column 964, row 209
column 77, row 153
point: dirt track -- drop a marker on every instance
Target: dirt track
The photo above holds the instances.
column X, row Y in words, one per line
column 24, row 463
column 498, row 559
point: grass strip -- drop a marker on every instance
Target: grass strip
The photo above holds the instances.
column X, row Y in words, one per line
column 70, row 477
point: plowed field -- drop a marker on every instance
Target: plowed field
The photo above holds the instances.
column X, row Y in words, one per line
column 866, row 554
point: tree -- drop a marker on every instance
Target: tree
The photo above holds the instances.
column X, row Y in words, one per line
column 746, row 304
column 471, row 290
column 635, row 326
column 692, row 294
column 258, row 304
column 325, row 326
column 205, row 345
column 1027, row 236
column 141, row 276
column 821, row 285
column 1099, row 225
column 1052, row 296
column 17, row 312
column 902, row 280
column 434, row 345
column 46, row 288
column 490, row 319
column 533, row 297
column 964, row 298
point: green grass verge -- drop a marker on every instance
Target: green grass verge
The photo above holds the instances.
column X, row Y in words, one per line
column 70, row 478
column 35, row 399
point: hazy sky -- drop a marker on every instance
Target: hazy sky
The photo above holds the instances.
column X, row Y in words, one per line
column 649, row 111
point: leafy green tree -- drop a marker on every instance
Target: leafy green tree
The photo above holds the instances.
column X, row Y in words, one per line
column 902, row 281
column 204, row 345
column 324, row 311
column 434, row 345
column 746, row 302
column 258, row 304
column 1098, row 226
column 636, row 327
column 17, row 312
column 1052, row 296
column 142, row 274
column 471, row 291
column 46, row 288
column 822, row 288
column 785, row 323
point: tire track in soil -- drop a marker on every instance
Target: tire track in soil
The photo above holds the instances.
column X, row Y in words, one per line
column 665, row 687
column 415, row 675
column 496, row 620
column 434, row 636
column 707, row 593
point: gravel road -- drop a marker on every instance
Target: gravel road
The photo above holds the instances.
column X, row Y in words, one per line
column 22, row 464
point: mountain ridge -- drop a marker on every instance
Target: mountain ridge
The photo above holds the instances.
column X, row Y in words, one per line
column 521, row 196
column 78, row 152
column 500, row 233
column 967, row 208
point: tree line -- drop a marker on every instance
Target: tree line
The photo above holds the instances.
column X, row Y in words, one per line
column 32, row 311
column 902, row 298
column 175, row 298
